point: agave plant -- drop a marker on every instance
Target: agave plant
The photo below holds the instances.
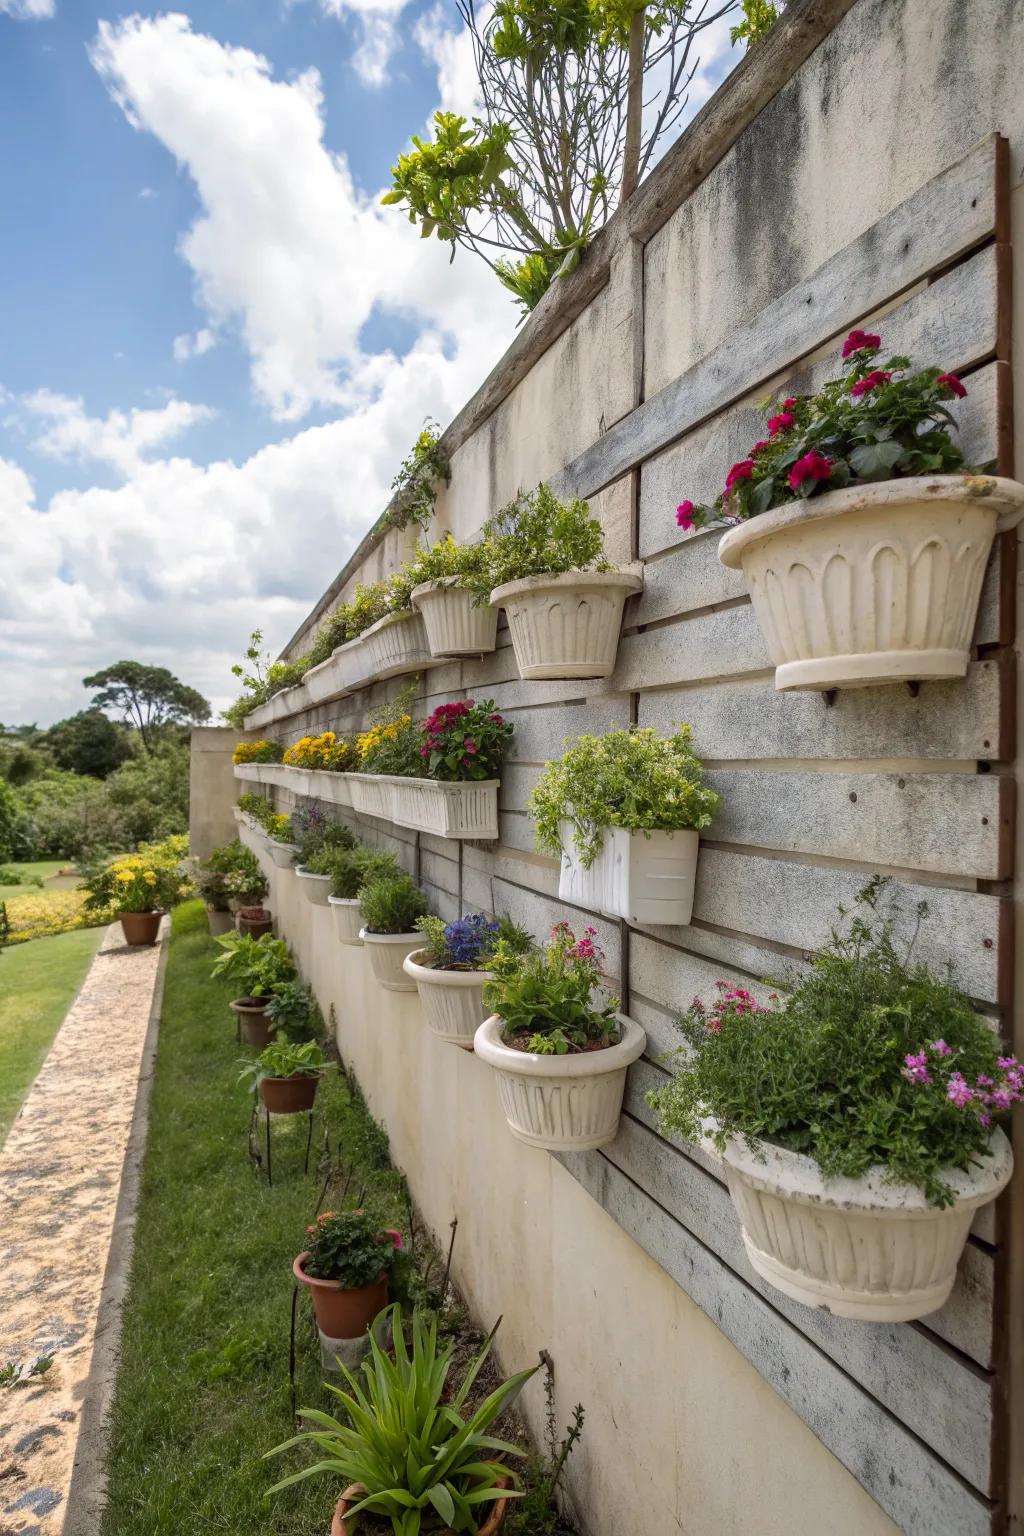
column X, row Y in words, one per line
column 415, row 1457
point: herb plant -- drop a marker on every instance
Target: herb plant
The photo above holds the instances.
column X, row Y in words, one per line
column 538, row 535
column 545, row 998
column 460, row 565
column 403, row 1436
column 258, row 752
column 391, row 904
column 256, row 806
column 872, row 1060
column 465, row 740
column 353, row 868
column 256, row 966
column 349, row 1247
column 231, row 873
column 315, row 833
column 468, row 943
column 870, row 424
column 285, row 1058
column 630, row 778
column 291, row 1009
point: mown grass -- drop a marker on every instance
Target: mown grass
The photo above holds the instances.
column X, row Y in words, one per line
column 202, row 1389
column 27, row 873
column 38, row 983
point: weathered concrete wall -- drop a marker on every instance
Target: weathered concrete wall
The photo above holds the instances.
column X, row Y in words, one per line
column 212, row 787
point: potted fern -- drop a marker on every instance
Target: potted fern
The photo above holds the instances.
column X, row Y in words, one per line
column 562, row 598
column 390, row 905
column 351, row 869
column 559, row 1052
column 623, row 814
column 856, row 1121
column 452, row 967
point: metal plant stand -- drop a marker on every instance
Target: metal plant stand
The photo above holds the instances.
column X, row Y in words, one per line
column 255, row 1138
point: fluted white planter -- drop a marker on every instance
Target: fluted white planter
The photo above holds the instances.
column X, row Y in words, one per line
column 341, row 673
column 561, row 1103
column 875, row 583
column 446, row 810
column 371, row 793
column 282, row 853
column 250, row 771
column 315, row 888
column 328, row 785
column 250, row 837
column 452, row 1000
column 397, row 643
column 294, row 779
column 859, row 1248
column 387, row 952
column 454, row 624
column 348, row 919
column 645, row 879
column 567, row 626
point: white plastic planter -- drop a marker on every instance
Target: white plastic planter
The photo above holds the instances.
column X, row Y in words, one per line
column 282, row 775
column 316, row 888
column 446, row 810
column 561, row 1103
column 567, row 626
column 250, row 837
column 452, row 1000
column 250, row 771
column 282, row 853
column 295, row 779
column 338, row 675
column 859, row 1248
column 327, row 785
column 397, row 643
column 454, row 624
column 876, row 583
column 348, row 919
column 387, row 952
column 261, row 715
column 371, row 794
column 643, row 879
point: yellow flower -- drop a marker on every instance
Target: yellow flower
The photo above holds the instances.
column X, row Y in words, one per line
column 124, row 877
column 149, row 877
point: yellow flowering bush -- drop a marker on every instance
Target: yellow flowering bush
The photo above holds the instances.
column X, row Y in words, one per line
column 149, row 880
column 280, row 828
column 389, row 747
column 41, row 915
column 257, row 752
column 323, row 751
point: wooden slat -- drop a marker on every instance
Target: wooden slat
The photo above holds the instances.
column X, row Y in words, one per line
column 919, row 1492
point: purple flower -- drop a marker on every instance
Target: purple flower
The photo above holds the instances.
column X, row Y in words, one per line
column 941, row 1048
column 957, row 1090
column 916, row 1069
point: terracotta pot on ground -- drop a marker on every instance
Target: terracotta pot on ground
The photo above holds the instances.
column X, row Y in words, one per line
column 254, row 1025
column 255, row 921
column 140, row 927
column 341, row 1526
column 289, row 1095
column 341, row 1312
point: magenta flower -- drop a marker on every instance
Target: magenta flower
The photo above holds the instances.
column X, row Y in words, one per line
column 741, row 471
column 958, row 1091
column 870, row 381
column 916, row 1069
column 813, row 466
column 953, row 384
column 684, row 515
column 759, row 448
column 860, row 341
column 780, row 423
column 424, row 751
column 469, row 744
column 787, row 405
column 941, row 1048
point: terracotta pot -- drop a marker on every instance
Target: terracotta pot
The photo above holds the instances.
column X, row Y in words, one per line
column 343, row 1313
column 247, row 921
column 254, row 1025
column 341, row 1526
column 289, row 1095
column 219, row 920
column 140, row 927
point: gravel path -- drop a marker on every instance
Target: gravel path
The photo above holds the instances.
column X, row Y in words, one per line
column 61, row 1172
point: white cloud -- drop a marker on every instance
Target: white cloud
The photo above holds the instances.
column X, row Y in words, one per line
column 379, row 33
column 122, row 439
column 451, row 51
column 28, row 10
column 187, row 346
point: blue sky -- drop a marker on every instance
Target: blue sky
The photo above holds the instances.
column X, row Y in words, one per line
column 215, row 346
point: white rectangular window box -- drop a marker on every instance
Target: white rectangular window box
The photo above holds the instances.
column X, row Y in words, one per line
column 281, row 775
column 645, row 879
column 396, row 644
column 371, row 794
column 250, row 771
column 341, row 673
column 329, row 786
column 446, row 810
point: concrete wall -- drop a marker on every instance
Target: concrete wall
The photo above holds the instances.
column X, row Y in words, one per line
column 212, row 787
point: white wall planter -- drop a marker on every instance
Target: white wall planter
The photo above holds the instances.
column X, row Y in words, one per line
column 282, row 853
column 348, row 919
column 387, row 951
column 371, row 793
column 250, row 838
column 567, row 626
column 452, row 1000
column 454, row 624
column 643, row 879
column 294, row 779
column 446, row 810
column 261, row 715
column 561, row 1103
column 339, row 674
column 282, row 775
column 315, row 888
column 327, row 785
column 859, row 1248
column 876, row 583
column 397, row 643
column 250, row 771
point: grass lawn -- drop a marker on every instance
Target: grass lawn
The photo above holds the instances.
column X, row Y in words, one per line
column 38, row 982
column 203, row 1385
column 44, row 868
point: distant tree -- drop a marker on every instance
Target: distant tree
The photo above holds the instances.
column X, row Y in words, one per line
column 149, row 697
column 88, row 743
column 150, row 794
column 19, row 764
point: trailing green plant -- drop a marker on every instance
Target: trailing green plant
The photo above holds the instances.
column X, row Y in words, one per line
column 256, row 966
column 538, row 535
column 315, row 833
column 391, row 904
column 403, row 1437
column 352, row 868
column 415, row 485
column 628, row 778
column 873, row 1060
column 350, row 1247
column 292, row 1010
column 545, row 997
column 285, row 1058
column 869, row 424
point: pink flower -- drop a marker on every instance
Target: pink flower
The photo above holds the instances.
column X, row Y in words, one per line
column 396, row 1238
column 741, row 471
column 860, row 341
column 714, row 1025
column 870, row 381
column 787, row 405
column 759, row 448
column 684, row 515
column 958, row 1092
column 469, row 744
column 952, row 383
column 985, row 1121
column 916, row 1069
column 813, row 466
column 1002, row 1099
column 941, row 1048
column 496, row 719
column 780, row 423
column 424, row 751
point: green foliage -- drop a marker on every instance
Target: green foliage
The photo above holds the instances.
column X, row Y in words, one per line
column 15, row 1374
column 464, row 741
column 150, row 880
column 405, row 1439
column 88, row 743
column 315, row 834
column 872, row 1060
column 256, row 966
column 285, row 1058
column 262, row 681
column 538, row 535
column 12, row 833
column 353, row 868
column 759, row 16
column 536, row 1513
column 419, row 474
column 149, row 794
column 292, row 1009
column 630, row 778
column 256, row 806
column 150, row 697
column 231, row 873
column 545, row 996
column 349, row 1247
column 459, row 172
column 391, row 904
